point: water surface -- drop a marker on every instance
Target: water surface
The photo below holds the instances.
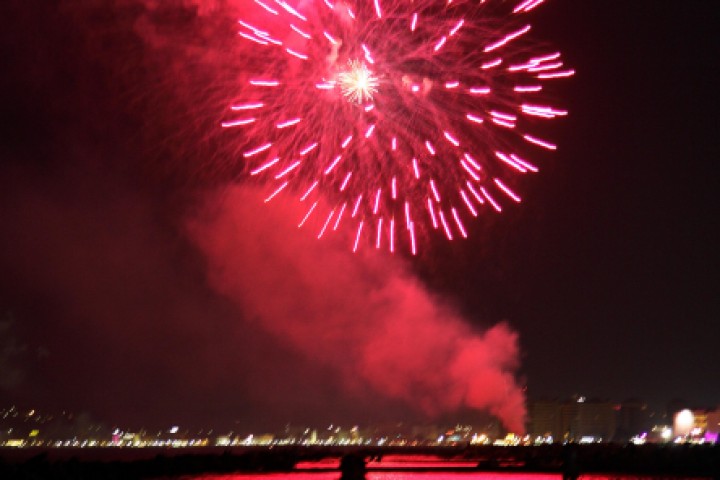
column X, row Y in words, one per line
column 418, row 476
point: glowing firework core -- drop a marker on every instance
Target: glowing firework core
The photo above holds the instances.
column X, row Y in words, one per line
column 358, row 83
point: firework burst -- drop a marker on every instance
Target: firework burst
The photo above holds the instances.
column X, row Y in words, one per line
column 392, row 118
column 358, row 83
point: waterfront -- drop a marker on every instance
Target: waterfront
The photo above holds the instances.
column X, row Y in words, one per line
column 424, row 476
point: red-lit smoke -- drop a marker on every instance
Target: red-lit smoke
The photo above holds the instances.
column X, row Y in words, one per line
column 366, row 317
column 363, row 315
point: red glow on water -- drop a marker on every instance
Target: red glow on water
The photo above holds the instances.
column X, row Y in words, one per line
column 334, row 475
column 324, row 475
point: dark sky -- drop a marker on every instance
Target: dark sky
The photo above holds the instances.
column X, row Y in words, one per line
column 608, row 271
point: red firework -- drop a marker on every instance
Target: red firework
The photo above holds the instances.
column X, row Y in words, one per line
column 392, row 117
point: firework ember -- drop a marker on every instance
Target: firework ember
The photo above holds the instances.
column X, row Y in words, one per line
column 392, row 118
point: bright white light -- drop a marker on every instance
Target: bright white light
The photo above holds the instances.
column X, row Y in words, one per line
column 684, row 422
column 358, row 83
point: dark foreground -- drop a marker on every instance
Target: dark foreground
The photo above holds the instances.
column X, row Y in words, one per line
column 648, row 460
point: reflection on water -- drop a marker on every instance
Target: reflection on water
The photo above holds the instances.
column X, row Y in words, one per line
column 384, row 476
column 414, row 467
column 417, row 476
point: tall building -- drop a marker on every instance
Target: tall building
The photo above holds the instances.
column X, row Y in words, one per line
column 632, row 419
column 713, row 420
column 573, row 420
column 544, row 419
column 713, row 425
column 595, row 419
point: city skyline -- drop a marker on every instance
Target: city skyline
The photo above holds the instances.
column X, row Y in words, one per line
column 577, row 420
column 605, row 278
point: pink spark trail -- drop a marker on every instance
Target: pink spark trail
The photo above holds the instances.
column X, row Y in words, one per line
column 425, row 110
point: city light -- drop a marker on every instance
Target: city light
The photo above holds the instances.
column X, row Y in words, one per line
column 586, row 422
column 684, row 422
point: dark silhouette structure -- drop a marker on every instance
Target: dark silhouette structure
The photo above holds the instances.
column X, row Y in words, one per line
column 352, row 467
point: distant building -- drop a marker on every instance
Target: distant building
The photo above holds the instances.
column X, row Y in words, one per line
column 574, row 420
column 713, row 425
column 713, row 421
column 589, row 420
column 544, row 419
column 632, row 419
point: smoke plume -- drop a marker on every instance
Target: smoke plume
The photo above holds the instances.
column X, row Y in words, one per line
column 106, row 99
column 365, row 316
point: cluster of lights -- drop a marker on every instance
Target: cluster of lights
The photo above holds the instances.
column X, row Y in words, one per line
column 173, row 438
column 685, row 429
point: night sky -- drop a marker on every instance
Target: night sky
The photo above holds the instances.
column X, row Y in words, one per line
column 118, row 248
